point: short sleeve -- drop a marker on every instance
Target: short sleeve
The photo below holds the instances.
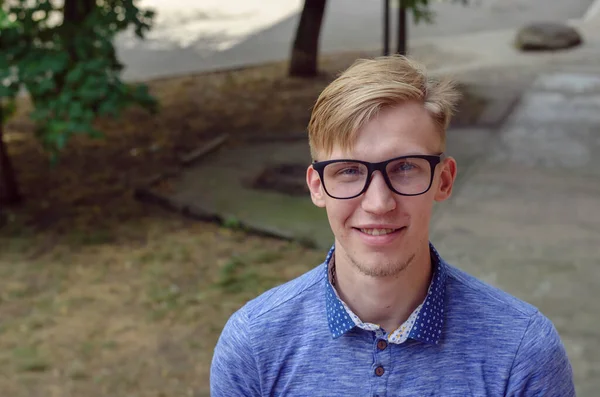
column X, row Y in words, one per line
column 541, row 366
column 233, row 369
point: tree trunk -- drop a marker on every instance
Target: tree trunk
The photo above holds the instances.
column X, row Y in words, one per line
column 9, row 190
column 386, row 27
column 76, row 11
column 305, row 51
column 74, row 14
column 402, row 30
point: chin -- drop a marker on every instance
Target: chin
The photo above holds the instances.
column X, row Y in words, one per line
column 381, row 265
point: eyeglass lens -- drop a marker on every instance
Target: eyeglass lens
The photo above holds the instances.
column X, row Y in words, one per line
column 407, row 176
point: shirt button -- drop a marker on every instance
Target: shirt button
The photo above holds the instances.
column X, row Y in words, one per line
column 379, row 371
column 381, row 345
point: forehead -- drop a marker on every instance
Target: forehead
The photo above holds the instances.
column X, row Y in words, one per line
column 395, row 131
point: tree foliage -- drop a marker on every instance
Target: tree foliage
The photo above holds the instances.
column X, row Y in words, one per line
column 64, row 57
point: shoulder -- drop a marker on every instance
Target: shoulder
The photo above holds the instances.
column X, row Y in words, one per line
column 472, row 292
column 519, row 337
column 479, row 313
column 287, row 297
column 541, row 365
column 236, row 367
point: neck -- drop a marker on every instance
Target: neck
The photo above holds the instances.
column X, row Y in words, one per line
column 386, row 301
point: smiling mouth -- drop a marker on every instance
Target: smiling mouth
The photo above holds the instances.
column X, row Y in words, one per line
column 379, row 232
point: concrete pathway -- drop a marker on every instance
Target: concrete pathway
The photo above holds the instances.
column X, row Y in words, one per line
column 199, row 35
column 526, row 215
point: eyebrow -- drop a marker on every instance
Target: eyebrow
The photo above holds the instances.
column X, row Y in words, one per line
column 349, row 157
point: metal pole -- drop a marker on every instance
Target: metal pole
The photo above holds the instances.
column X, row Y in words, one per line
column 402, row 31
column 386, row 27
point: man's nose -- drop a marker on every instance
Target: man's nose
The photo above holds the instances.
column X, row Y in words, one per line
column 378, row 199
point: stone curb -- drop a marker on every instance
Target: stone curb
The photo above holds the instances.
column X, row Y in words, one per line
column 501, row 106
column 145, row 193
column 185, row 160
column 204, row 150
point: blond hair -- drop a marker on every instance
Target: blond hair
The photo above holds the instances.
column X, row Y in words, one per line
column 357, row 95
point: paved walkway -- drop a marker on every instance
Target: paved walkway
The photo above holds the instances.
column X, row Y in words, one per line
column 198, row 35
column 526, row 215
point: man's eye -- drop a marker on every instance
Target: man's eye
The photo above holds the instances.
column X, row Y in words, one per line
column 405, row 167
column 349, row 171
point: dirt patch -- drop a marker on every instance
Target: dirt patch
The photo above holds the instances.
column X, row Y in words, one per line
column 137, row 317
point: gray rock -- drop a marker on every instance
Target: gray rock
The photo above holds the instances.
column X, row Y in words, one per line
column 547, row 36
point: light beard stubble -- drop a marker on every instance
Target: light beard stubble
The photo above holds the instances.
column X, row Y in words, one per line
column 387, row 270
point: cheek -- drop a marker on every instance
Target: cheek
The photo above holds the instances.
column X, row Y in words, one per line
column 419, row 208
column 339, row 211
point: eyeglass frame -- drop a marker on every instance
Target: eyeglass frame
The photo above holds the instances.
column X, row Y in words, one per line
column 432, row 159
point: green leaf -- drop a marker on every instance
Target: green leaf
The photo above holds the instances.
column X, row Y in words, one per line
column 60, row 141
column 40, row 114
column 8, row 109
column 75, row 75
column 70, row 70
column 108, row 108
column 45, row 86
column 75, row 110
column 95, row 134
column 5, row 21
column 56, row 62
column 9, row 90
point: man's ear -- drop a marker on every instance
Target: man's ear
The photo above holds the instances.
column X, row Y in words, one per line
column 316, row 188
column 447, row 178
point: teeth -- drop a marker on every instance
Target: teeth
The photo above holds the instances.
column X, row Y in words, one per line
column 377, row 232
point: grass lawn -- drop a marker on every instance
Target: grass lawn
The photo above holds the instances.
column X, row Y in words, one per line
column 137, row 316
column 101, row 295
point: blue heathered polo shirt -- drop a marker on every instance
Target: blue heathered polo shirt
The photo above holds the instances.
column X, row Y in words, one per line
column 469, row 339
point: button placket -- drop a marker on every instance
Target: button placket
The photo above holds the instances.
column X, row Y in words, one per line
column 382, row 356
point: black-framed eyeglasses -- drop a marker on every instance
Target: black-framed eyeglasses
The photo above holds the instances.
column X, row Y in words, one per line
column 406, row 175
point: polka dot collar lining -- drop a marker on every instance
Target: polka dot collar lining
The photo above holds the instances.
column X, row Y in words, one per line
column 425, row 324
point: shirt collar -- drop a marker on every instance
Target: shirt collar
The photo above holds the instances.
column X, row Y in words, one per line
column 430, row 319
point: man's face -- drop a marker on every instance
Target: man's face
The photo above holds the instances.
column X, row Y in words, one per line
column 406, row 129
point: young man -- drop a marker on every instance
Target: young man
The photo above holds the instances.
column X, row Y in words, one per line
column 384, row 315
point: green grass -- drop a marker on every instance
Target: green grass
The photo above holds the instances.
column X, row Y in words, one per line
column 29, row 359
